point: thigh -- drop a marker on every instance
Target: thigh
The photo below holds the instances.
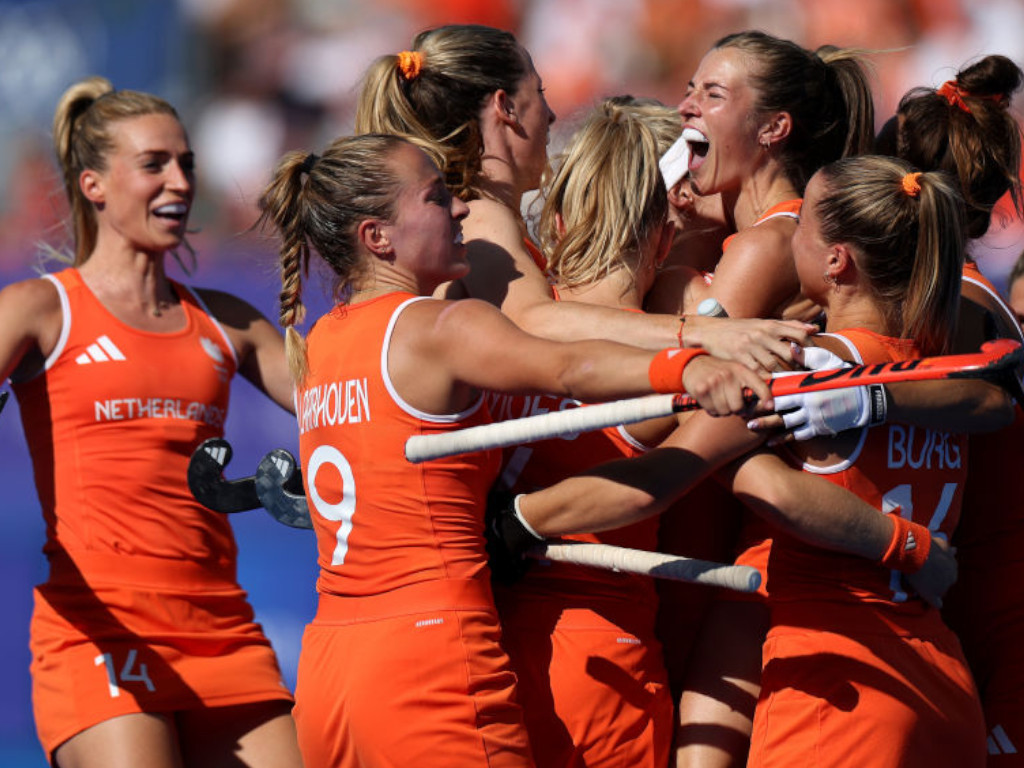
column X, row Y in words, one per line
column 721, row 686
column 258, row 735
column 140, row 740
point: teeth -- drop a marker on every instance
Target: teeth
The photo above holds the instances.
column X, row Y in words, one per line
column 458, row 239
column 692, row 134
column 172, row 209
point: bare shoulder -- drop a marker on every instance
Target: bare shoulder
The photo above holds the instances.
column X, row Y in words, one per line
column 446, row 316
column 34, row 305
column 489, row 219
column 35, row 293
column 31, row 322
column 769, row 240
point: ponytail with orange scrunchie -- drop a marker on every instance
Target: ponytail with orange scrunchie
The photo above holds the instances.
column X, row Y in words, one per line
column 410, row 64
column 912, row 184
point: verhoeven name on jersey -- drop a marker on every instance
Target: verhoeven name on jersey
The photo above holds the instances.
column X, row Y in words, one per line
column 339, row 402
column 158, row 408
column 922, row 449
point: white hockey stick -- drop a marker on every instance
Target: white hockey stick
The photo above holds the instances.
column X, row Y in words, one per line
column 741, row 578
column 995, row 362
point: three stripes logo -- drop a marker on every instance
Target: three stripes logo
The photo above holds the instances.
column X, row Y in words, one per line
column 999, row 742
column 911, row 543
column 218, row 452
column 103, row 350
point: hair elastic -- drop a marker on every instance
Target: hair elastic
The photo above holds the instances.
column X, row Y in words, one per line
column 911, row 185
column 410, row 63
column 309, row 161
column 954, row 94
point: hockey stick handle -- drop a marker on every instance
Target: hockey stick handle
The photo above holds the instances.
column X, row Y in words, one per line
column 741, row 578
column 420, row 448
column 992, row 363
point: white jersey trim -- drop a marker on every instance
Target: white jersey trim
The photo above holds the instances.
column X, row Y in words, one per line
column 65, row 325
column 215, row 321
column 849, row 461
column 443, row 418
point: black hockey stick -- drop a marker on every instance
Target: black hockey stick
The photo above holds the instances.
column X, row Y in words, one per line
column 278, row 491
column 207, row 483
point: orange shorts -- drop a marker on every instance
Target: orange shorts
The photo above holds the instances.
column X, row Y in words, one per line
column 593, row 694
column 410, row 679
column 110, row 651
column 878, row 693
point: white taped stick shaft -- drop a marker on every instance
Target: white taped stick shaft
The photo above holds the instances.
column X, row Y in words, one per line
column 420, row 448
column 741, row 578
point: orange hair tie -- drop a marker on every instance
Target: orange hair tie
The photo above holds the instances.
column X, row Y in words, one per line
column 954, row 94
column 911, row 185
column 410, row 63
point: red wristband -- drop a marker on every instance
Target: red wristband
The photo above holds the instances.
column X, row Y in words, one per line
column 909, row 546
column 666, row 371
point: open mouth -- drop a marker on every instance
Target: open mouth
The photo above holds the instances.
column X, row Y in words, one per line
column 699, row 146
column 172, row 211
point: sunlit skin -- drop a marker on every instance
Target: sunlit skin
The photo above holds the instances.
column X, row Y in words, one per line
column 530, row 152
column 425, row 235
column 719, row 103
column 144, row 196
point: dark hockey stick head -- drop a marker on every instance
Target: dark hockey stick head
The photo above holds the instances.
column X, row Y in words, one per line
column 279, row 488
column 207, row 483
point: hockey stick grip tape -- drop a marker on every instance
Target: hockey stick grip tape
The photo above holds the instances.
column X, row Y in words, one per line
column 420, row 448
column 741, row 578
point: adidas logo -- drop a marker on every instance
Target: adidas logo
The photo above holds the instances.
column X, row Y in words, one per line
column 999, row 743
column 103, row 350
column 218, row 452
column 911, row 544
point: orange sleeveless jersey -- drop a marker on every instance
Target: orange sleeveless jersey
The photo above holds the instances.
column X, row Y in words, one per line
column 110, row 427
column 898, row 469
column 141, row 612
column 381, row 522
column 856, row 671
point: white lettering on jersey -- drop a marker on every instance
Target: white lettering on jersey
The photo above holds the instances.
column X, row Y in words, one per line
column 128, row 409
column 914, row 448
column 340, row 402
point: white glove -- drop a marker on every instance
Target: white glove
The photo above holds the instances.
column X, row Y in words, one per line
column 830, row 411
